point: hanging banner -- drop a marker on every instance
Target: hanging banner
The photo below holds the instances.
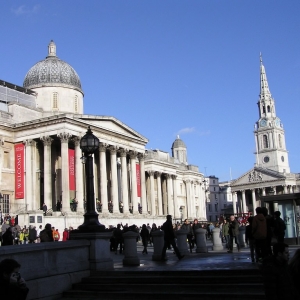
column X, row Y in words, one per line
column 72, row 169
column 138, row 180
column 19, row 171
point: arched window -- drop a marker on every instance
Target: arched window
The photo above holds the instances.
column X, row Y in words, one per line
column 55, row 100
column 265, row 141
column 268, row 108
column 279, row 141
column 76, row 104
column 264, row 109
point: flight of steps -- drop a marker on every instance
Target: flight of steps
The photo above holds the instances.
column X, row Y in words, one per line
column 183, row 285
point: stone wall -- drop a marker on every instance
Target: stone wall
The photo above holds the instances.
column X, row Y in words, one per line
column 50, row 268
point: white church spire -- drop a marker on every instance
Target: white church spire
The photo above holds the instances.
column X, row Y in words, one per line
column 264, row 87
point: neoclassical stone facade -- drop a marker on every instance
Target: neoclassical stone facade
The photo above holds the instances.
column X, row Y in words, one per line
column 45, row 119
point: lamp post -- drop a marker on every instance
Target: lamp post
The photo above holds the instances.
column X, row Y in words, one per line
column 89, row 144
column 180, row 209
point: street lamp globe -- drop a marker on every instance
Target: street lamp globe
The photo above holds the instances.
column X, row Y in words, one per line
column 89, row 143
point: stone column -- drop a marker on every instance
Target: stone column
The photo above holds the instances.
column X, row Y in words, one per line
column 114, row 179
column 193, row 214
column 217, row 242
column 103, row 178
column 130, row 249
column 152, row 193
column 264, row 191
column 79, row 176
column 64, row 138
column 1, row 157
column 244, row 201
column 175, row 200
column 188, row 199
column 159, row 197
column 285, row 189
column 170, row 201
column 123, row 154
column 47, row 171
column 135, row 209
column 143, row 183
column 253, row 200
column 29, row 177
column 234, row 200
column 158, row 244
column 182, row 242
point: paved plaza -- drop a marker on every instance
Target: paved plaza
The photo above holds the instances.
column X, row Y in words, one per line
column 212, row 260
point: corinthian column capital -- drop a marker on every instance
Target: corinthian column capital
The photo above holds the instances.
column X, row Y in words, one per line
column 64, row 137
column 47, row 140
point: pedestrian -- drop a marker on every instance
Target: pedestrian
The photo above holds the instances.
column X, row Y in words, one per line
column 117, row 239
column 188, row 228
column 259, row 232
column 46, row 234
column 196, row 225
column 32, row 235
column 145, row 238
column 233, row 233
column 44, row 208
column 169, row 239
column 225, row 233
column 250, row 239
column 7, row 237
column 65, row 235
column 56, row 235
column 279, row 227
column 12, row 285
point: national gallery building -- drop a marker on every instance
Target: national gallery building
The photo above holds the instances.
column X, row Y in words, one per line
column 41, row 124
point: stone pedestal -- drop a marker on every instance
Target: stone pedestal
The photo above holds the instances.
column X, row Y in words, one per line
column 182, row 242
column 130, row 249
column 201, row 240
column 217, row 242
column 241, row 237
column 158, row 244
column 99, row 248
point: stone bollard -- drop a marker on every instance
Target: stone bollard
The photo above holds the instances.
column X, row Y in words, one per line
column 100, row 257
column 130, row 249
column 182, row 242
column 158, row 244
column 217, row 242
column 241, row 237
column 201, row 240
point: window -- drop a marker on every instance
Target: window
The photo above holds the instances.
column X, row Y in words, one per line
column 5, row 204
column 265, row 141
column 264, row 109
column 216, row 196
column 209, row 207
column 268, row 108
column 209, row 218
column 214, row 189
column 279, row 141
column 216, row 207
column 55, row 100
column 217, row 218
column 76, row 104
column 213, row 181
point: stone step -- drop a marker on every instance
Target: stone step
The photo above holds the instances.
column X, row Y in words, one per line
column 212, row 284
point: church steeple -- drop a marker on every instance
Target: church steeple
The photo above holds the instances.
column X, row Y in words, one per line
column 264, row 87
column 271, row 150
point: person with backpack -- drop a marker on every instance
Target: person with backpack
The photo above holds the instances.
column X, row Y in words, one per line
column 279, row 227
column 46, row 234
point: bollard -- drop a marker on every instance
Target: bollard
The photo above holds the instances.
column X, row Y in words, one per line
column 217, row 242
column 241, row 236
column 201, row 240
column 158, row 244
column 130, row 249
column 182, row 242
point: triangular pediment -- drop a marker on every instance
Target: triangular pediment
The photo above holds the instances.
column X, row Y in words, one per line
column 113, row 125
column 257, row 175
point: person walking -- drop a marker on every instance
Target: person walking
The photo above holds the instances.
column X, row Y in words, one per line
column 259, row 232
column 279, row 227
column 169, row 239
column 145, row 237
column 187, row 227
column 225, row 233
column 233, row 233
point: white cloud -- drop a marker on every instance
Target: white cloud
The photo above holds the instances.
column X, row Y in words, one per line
column 24, row 10
column 186, row 130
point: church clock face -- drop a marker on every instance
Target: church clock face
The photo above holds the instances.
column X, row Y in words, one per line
column 277, row 122
column 263, row 123
column 266, row 159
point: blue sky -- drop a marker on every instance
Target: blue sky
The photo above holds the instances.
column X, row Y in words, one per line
column 170, row 67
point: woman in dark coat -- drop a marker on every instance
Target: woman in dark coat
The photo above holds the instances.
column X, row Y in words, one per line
column 7, row 237
column 145, row 237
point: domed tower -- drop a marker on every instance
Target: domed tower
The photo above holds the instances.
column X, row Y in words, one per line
column 56, row 83
column 179, row 150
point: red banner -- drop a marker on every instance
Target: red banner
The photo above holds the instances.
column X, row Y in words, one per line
column 72, row 169
column 19, row 171
column 138, row 180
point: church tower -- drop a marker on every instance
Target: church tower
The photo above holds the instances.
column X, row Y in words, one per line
column 271, row 150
